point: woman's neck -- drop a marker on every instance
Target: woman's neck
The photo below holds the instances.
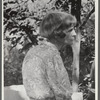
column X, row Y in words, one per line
column 58, row 44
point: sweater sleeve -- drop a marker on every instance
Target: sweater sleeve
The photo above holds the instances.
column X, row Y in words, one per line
column 62, row 73
column 58, row 77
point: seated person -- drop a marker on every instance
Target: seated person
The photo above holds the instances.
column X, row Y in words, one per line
column 43, row 71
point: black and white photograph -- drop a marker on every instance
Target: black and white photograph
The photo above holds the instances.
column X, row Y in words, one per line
column 49, row 49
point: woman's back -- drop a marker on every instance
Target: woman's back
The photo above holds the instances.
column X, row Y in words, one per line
column 42, row 70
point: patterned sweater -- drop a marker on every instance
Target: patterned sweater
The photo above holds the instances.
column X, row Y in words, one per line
column 44, row 74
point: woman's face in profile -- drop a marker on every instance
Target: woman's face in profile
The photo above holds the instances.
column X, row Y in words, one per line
column 70, row 35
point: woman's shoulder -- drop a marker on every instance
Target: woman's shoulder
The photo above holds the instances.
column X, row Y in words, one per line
column 44, row 51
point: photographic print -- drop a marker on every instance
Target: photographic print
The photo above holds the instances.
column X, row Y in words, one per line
column 49, row 49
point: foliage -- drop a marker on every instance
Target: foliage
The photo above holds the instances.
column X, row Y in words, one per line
column 21, row 24
column 86, row 86
column 21, row 21
column 12, row 65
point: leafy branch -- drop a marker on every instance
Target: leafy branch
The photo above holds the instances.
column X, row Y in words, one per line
column 87, row 17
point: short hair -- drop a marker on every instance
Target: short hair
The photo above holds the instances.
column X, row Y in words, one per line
column 55, row 22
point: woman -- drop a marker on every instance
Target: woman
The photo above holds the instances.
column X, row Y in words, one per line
column 44, row 74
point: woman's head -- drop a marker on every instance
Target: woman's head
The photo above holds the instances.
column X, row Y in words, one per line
column 57, row 25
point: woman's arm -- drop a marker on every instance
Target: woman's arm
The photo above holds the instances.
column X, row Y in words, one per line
column 58, row 78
